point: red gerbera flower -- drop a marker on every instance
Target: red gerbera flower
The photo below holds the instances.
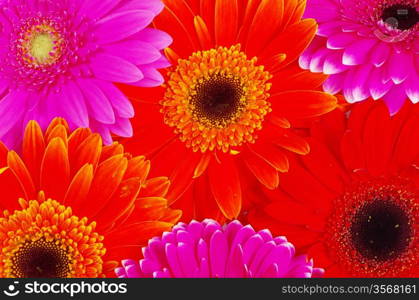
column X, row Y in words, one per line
column 103, row 206
column 353, row 202
column 231, row 93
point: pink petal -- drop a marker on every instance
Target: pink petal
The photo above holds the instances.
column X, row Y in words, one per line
column 112, row 68
column 357, row 53
column 121, row 25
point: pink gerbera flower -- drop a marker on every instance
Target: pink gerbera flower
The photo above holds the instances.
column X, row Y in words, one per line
column 61, row 57
column 369, row 47
column 207, row 249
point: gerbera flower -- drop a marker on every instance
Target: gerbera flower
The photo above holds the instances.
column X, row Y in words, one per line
column 358, row 211
column 60, row 58
column 72, row 208
column 207, row 249
column 370, row 49
column 223, row 118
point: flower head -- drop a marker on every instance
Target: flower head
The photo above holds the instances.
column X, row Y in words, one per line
column 370, row 48
column 73, row 208
column 222, row 121
column 207, row 249
column 358, row 213
column 61, row 58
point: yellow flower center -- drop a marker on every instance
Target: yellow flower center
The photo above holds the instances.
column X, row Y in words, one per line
column 41, row 45
column 217, row 99
column 45, row 240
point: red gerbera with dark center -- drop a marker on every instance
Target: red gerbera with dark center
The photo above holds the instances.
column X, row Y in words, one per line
column 231, row 93
column 358, row 213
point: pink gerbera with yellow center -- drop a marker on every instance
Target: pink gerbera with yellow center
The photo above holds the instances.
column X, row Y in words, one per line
column 61, row 58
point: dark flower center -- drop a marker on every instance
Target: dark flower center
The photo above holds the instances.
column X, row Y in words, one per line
column 41, row 259
column 218, row 99
column 380, row 230
column 400, row 16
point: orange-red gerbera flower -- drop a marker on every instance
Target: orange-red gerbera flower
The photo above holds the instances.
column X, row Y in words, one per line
column 72, row 208
column 231, row 93
column 353, row 202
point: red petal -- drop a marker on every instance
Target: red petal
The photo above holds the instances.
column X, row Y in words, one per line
column 264, row 172
column 226, row 22
column 225, row 186
column 302, row 104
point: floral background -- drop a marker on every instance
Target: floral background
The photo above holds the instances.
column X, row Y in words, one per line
column 209, row 138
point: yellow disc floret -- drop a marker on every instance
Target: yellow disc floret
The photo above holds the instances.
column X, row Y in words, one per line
column 217, row 99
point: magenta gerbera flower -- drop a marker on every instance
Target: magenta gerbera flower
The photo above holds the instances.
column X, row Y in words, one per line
column 207, row 249
column 61, row 58
column 369, row 47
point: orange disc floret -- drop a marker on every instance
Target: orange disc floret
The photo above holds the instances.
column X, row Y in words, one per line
column 45, row 239
column 102, row 184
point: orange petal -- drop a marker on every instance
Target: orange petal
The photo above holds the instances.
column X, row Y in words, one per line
column 88, row 152
column 302, row 104
column 264, row 172
column 138, row 167
column 59, row 131
column 105, row 183
column 18, row 166
column 202, row 32
column 154, row 187
column 54, row 123
column 226, row 22
column 76, row 138
column 137, row 234
column 293, row 41
column 225, row 186
column 293, row 143
column 33, row 149
column 11, row 189
column 202, row 165
column 111, row 150
column 272, row 155
column 79, row 187
column 55, row 170
column 269, row 12
column 124, row 199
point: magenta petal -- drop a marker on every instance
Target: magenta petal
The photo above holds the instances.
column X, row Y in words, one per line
column 357, row 52
column 340, row 40
column 122, row 127
column 218, row 254
column 400, row 65
column 378, row 88
column 97, row 8
column 159, row 39
column 395, row 99
column 152, row 78
column 412, row 88
column 121, row 25
column 120, row 103
column 134, row 51
column 74, row 104
column 99, row 106
column 112, row 68
column 380, row 54
column 333, row 64
column 11, row 110
column 334, row 83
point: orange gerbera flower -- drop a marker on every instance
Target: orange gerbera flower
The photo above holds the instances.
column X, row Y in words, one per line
column 102, row 207
column 225, row 111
